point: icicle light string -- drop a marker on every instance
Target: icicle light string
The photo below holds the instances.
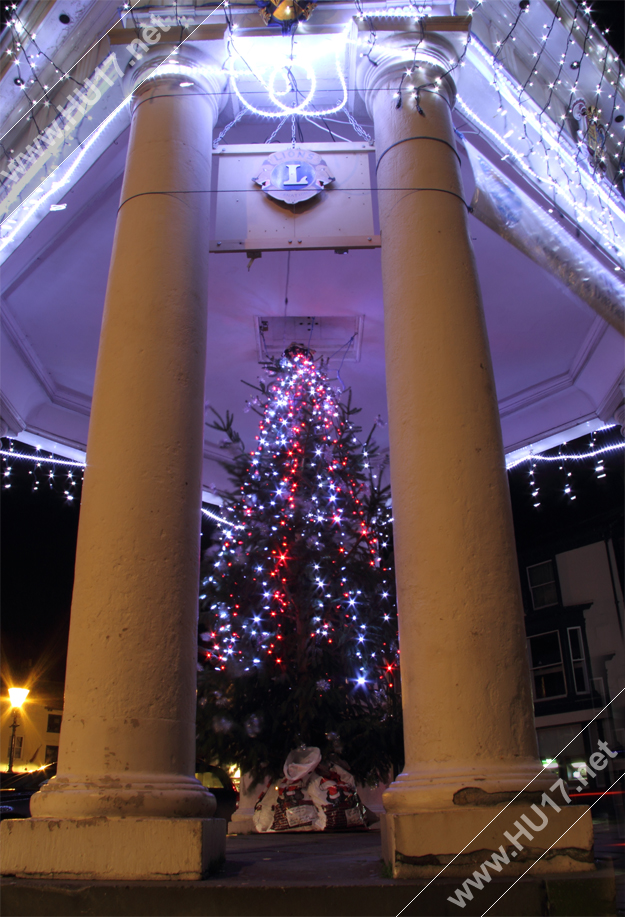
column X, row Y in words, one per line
column 16, row 23
column 618, row 155
column 38, row 459
column 547, row 138
column 32, row 202
column 573, row 456
column 502, row 44
column 51, row 460
column 547, row 104
column 231, row 526
column 543, row 47
column 567, row 484
column 557, row 80
column 583, row 211
column 586, row 179
column 50, row 479
column 566, row 456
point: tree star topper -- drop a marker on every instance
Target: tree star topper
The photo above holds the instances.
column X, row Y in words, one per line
column 293, row 175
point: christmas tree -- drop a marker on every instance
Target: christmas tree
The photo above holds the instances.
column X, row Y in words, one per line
column 298, row 629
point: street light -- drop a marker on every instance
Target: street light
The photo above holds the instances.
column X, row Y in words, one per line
column 17, row 696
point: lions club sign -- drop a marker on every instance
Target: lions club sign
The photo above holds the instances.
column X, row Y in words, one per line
column 293, row 175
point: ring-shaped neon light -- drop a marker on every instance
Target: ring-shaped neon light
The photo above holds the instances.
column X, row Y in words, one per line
column 292, row 109
column 284, row 110
column 287, row 85
column 283, row 92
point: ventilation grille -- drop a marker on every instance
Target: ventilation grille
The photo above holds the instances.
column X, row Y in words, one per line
column 336, row 338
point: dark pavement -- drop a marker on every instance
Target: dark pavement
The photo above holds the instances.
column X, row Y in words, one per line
column 337, row 875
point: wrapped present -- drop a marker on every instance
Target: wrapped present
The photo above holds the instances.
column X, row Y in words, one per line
column 312, row 796
column 333, row 790
column 287, row 806
column 264, row 809
column 301, row 762
column 295, row 810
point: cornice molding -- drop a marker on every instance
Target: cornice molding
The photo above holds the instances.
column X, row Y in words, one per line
column 60, row 395
column 552, row 386
column 11, row 420
column 26, row 351
column 534, row 393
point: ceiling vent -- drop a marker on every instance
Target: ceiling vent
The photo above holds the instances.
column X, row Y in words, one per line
column 337, row 338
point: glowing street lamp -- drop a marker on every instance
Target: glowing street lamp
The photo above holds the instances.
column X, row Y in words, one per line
column 17, row 696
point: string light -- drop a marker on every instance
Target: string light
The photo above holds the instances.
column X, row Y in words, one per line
column 38, row 459
column 610, row 239
column 397, row 12
column 300, row 526
column 68, row 485
column 548, row 135
column 606, row 225
column 39, row 199
column 573, row 457
column 271, row 78
column 215, row 518
column 566, row 486
column 283, row 69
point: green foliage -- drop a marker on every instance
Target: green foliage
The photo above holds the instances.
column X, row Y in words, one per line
column 298, row 631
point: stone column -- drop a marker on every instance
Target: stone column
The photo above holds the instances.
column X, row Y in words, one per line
column 468, row 723
column 125, row 801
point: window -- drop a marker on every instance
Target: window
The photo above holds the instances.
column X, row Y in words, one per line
column 52, row 754
column 547, row 667
column 54, row 722
column 17, row 748
column 576, row 645
column 542, row 580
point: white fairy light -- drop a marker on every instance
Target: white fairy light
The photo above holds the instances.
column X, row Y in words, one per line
column 512, row 91
column 574, row 457
column 42, row 199
column 41, row 458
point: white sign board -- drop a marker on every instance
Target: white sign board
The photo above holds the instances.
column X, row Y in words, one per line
column 343, row 215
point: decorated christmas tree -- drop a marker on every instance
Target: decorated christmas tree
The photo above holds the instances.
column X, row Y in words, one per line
column 298, row 629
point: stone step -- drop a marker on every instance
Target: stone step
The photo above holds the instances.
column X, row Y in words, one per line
column 588, row 895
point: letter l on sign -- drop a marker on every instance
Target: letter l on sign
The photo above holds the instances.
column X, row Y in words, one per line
column 292, row 179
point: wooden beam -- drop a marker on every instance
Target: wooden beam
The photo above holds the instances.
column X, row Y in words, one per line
column 408, row 24
column 209, row 32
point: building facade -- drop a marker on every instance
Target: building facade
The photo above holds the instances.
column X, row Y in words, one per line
column 574, row 622
column 38, row 730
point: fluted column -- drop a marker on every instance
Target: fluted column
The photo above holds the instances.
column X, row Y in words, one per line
column 127, row 745
column 467, row 707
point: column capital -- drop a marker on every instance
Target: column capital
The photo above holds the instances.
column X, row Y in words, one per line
column 428, row 61
column 174, row 65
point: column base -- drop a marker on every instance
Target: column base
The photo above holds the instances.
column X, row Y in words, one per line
column 419, row 844
column 112, row 847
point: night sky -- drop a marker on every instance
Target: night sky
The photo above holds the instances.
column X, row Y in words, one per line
column 597, row 511
column 610, row 14
column 38, row 544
